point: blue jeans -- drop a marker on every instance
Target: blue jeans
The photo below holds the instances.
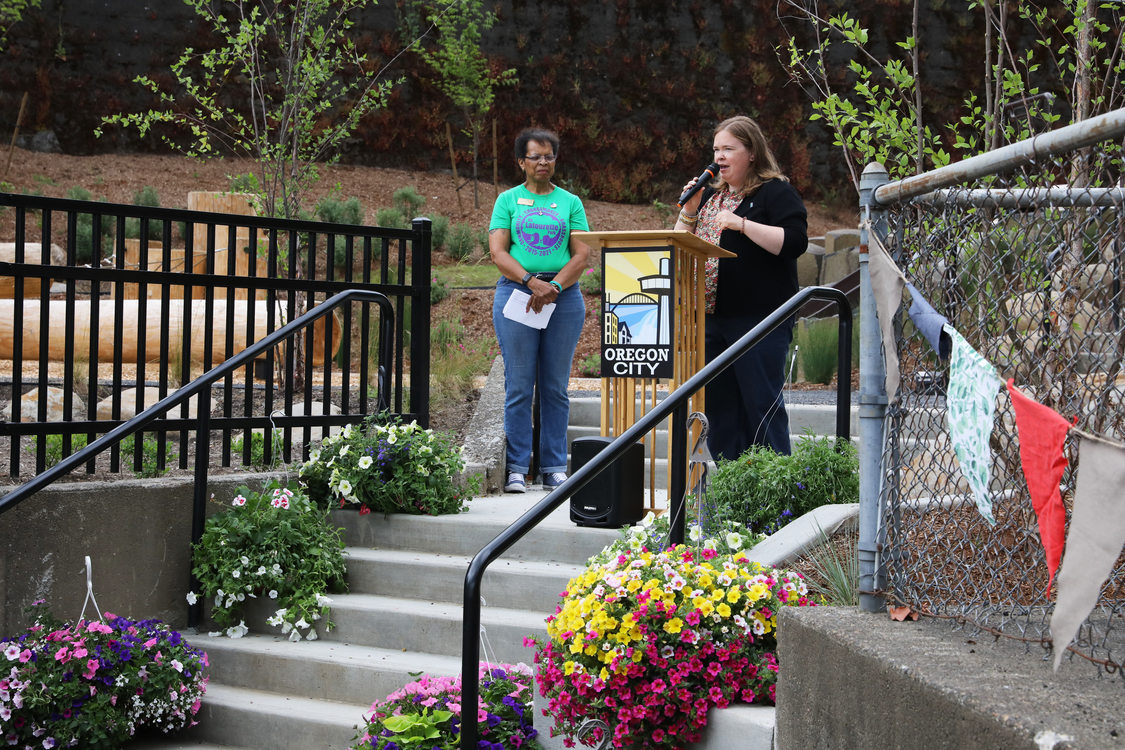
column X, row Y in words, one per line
column 537, row 358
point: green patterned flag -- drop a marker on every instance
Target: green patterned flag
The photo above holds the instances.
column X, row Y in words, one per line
column 970, row 405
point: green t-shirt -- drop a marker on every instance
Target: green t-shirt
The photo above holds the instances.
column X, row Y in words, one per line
column 540, row 226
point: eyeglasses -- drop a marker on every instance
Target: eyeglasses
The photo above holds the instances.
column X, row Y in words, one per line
column 548, row 158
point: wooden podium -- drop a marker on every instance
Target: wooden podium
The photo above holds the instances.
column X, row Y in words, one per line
column 627, row 398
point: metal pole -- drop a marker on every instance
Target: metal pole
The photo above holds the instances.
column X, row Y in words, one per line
column 872, row 401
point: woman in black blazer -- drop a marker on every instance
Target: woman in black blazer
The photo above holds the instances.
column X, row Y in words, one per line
column 753, row 211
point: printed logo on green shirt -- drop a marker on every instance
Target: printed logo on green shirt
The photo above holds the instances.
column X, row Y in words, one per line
column 540, row 231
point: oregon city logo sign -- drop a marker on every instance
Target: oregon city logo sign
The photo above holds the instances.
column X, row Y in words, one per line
column 637, row 313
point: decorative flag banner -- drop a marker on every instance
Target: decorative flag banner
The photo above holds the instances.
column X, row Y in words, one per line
column 1097, row 534
column 886, row 284
column 930, row 322
column 970, row 405
column 1042, row 433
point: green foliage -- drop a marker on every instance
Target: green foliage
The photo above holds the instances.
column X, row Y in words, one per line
column 84, row 231
column 817, row 346
column 274, row 544
column 246, row 182
column 438, row 290
column 146, row 196
column 462, row 71
column 591, row 366
column 389, row 467
column 763, row 490
column 335, row 211
column 11, row 11
column 407, row 201
column 463, row 241
column 257, row 448
column 286, row 87
column 590, row 282
column 439, row 231
column 835, row 571
column 875, row 112
column 54, row 447
column 391, row 217
column 150, row 465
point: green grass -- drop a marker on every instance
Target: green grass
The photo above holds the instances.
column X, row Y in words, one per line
column 470, row 274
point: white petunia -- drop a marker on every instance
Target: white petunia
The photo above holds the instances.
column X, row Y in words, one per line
column 273, row 593
column 734, row 540
column 345, row 488
column 322, row 600
column 295, row 636
column 12, row 652
column 696, row 533
column 191, row 597
column 364, row 462
column 239, row 630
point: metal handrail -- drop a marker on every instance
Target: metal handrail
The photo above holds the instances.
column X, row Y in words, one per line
column 675, row 404
column 202, row 385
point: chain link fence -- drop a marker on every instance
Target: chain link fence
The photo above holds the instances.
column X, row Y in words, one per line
column 1026, row 263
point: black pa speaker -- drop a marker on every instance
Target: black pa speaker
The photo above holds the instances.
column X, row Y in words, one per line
column 615, row 497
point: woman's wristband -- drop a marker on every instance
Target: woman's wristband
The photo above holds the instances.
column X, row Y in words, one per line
column 689, row 219
column 556, row 285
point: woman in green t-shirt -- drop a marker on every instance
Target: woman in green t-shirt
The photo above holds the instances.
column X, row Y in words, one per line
column 530, row 243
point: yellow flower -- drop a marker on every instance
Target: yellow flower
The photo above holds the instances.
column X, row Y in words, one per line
column 723, row 609
column 717, row 595
column 604, row 674
column 734, row 595
column 568, row 668
column 674, row 625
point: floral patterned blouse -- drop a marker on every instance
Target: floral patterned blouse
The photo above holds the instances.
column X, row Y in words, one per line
column 708, row 229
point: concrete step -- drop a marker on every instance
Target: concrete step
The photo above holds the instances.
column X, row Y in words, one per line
column 431, row 627
column 259, row 719
column 324, row 670
column 512, row 584
column 556, row 540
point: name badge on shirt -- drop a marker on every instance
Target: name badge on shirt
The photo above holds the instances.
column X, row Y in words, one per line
column 525, row 201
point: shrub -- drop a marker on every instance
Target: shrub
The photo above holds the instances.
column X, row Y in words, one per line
column 54, row 447
column 590, row 282
column 257, row 447
column 84, row 230
column 591, row 366
column 335, row 211
column 817, row 340
column 150, row 465
column 763, row 490
column 94, row 684
column 246, row 182
column 439, row 231
column 438, row 290
column 389, row 467
column 407, row 201
column 148, row 197
column 274, row 543
column 462, row 242
column 392, row 218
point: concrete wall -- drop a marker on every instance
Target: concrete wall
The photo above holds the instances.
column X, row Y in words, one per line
column 855, row 680
column 137, row 533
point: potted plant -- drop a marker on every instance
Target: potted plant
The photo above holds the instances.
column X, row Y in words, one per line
column 427, row 713
column 276, row 546
column 95, row 683
column 390, row 467
column 648, row 639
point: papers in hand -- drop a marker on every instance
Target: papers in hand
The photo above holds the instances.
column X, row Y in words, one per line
column 516, row 309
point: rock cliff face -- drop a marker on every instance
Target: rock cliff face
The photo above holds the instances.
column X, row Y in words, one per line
column 633, row 87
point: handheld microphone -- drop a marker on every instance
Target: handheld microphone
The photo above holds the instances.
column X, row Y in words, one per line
column 700, row 183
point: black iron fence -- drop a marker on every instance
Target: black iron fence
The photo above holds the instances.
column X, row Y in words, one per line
column 106, row 309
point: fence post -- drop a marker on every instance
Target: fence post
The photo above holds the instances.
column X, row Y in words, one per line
column 872, row 401
column 420, row 283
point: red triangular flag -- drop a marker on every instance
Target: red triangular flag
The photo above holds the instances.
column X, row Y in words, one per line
column 1042, row 433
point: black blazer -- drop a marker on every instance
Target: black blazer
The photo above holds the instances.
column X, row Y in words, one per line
column 757, row 282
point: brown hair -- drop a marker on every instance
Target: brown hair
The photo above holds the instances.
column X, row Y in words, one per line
column 763, row 165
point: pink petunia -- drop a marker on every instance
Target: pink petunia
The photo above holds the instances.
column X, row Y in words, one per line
column 91, row 668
